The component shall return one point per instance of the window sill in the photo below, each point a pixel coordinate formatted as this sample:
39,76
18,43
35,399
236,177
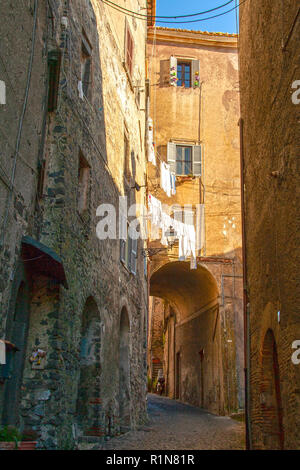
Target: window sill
187,177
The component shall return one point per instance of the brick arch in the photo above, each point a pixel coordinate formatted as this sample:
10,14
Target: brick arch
270,396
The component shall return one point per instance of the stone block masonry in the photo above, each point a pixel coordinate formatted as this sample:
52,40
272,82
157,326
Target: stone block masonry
75,394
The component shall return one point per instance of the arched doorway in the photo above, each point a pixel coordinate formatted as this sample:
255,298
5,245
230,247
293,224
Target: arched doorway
88,409
270,398
124,371
17,334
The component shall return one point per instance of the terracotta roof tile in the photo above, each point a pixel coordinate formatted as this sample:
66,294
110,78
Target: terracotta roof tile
207,33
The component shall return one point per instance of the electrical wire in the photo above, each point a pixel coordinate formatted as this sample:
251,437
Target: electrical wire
12,179
135,14
168,17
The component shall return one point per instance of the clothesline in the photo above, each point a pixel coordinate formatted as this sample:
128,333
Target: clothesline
184,232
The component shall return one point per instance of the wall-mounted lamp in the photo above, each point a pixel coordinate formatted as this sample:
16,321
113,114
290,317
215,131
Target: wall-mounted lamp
171,236
137,187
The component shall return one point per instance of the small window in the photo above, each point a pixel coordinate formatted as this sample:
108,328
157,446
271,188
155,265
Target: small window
184,159
184,74
128,248
86,65
83,184
129,50
54,60
184,163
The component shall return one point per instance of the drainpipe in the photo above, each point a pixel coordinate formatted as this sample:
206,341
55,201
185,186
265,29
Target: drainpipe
245,298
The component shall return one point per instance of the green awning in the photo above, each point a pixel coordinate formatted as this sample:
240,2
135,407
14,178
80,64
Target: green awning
43,260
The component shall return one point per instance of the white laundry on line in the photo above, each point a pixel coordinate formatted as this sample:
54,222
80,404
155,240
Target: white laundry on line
165,178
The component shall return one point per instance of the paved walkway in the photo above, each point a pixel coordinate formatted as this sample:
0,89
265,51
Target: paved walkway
175,426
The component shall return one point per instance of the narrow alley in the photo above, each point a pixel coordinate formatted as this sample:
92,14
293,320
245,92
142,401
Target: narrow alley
149,225
174,425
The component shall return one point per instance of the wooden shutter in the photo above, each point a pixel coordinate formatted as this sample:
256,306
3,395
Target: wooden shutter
129,51
172,157
133,261
197,160
189,217
173,71
195,74
123,236
86,76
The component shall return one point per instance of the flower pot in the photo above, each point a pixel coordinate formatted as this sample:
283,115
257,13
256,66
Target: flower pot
27,445
7,446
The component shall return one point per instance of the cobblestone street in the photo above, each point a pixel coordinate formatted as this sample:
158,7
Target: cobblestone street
173,425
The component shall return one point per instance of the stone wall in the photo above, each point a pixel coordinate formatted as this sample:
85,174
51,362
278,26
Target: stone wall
90,130
269,64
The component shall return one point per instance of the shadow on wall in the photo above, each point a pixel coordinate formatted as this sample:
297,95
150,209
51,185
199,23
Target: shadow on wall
88,408
124,371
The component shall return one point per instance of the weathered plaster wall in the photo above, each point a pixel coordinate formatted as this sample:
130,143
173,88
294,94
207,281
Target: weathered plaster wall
208,116
269,64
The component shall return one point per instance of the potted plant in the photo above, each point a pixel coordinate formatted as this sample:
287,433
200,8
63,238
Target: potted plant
12,439
28,441
9,437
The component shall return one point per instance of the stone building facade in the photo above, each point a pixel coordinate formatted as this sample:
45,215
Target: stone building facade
194,106
73,306
269,80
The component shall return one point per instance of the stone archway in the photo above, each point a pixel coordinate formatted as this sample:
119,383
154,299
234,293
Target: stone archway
191,324
124,370
88,407
270,397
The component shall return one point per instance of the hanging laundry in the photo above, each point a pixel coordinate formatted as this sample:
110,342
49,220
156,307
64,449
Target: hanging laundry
165,179
154,214
150,143
2,352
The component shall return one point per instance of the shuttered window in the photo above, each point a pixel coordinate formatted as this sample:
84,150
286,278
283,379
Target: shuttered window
133,255
184,159
128,246
184,162
184,73
123,237
129,50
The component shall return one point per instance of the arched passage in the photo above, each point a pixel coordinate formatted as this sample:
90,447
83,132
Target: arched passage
270,398
88,409
189,291
124,370
191,334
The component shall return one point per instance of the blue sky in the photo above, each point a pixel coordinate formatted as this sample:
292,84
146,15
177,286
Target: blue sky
226,23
